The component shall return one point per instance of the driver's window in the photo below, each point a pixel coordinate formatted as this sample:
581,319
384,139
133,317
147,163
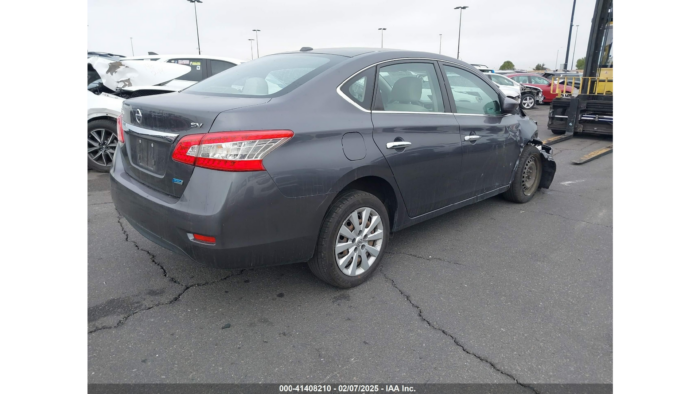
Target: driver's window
471,94
409,87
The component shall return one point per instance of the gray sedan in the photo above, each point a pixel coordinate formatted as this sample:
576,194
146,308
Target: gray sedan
318,155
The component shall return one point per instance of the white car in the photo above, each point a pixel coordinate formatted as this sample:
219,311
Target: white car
514,90
112,81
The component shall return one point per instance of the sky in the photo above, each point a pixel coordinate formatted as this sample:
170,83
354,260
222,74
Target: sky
525,32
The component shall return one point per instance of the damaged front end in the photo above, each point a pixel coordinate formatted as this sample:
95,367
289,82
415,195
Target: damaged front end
528,135
549,166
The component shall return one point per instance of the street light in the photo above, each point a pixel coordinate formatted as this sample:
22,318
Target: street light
257,43
459,37
199,48
382,30
251,48
440,50
556,67
573,55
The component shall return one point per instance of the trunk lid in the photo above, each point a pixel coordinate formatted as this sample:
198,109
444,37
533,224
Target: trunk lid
152,127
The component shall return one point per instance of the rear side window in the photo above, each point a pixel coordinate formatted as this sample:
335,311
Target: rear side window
520,78
265,77
196,73
218,66
359,89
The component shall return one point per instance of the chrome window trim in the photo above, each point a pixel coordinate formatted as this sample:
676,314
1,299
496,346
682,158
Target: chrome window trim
349,100
169,137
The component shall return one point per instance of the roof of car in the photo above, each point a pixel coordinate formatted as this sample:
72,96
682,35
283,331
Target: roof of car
185,56
376,53
347,52
530,74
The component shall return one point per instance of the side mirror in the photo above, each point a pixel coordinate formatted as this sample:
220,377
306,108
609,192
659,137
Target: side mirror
511,106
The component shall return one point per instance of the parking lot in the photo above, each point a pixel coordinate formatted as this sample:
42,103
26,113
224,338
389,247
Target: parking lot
492,293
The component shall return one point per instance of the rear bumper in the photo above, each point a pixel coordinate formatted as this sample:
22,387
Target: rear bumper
253,223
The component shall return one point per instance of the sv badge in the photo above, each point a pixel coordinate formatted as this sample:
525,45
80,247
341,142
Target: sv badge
193,125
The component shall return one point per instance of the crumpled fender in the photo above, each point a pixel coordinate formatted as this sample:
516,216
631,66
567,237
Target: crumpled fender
549,166
528,136
125,73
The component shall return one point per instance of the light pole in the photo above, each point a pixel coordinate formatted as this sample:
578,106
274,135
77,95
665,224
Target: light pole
573,55
251,48
459,37
199,48
382,30
257,43
555,63
568,42
440,50
132,45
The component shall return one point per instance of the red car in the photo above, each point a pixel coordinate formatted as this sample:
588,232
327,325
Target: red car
541,82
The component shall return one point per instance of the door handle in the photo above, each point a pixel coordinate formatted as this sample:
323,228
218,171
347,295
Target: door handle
397,144
471,137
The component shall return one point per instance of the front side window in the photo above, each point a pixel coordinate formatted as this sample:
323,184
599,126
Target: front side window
409,87
539,81
265,77
218,66
520,79
471,94
503,81
196,73
359,88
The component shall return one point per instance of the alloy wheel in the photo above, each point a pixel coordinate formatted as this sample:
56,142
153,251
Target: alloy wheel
528,102
102,145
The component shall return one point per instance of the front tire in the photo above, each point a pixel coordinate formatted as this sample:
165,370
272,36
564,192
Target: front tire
352,240
527,101
527,176
102,144
558,132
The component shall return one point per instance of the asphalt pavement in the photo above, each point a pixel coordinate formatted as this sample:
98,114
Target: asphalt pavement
492,293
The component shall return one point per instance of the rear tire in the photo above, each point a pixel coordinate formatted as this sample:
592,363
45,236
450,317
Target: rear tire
368,234
102,144
527,176
558,132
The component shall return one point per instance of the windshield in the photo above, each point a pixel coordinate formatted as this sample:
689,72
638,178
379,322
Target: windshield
265,77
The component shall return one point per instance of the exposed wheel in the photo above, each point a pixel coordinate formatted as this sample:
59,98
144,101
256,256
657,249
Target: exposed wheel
558,132
102,144
527,101
527,176
352,240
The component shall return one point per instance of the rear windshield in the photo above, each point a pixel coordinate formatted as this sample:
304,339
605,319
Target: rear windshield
265,77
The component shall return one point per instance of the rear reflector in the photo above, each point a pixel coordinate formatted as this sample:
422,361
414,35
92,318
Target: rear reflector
204,238
230,150
120,129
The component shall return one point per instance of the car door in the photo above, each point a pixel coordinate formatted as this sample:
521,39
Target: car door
545,85
417,133
489,138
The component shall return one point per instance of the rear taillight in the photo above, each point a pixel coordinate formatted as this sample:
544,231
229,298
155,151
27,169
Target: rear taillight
120,129
230,150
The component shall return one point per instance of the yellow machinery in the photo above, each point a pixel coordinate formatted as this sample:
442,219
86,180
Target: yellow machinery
589,109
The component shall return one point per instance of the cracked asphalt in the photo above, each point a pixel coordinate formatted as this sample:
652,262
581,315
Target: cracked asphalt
492,293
